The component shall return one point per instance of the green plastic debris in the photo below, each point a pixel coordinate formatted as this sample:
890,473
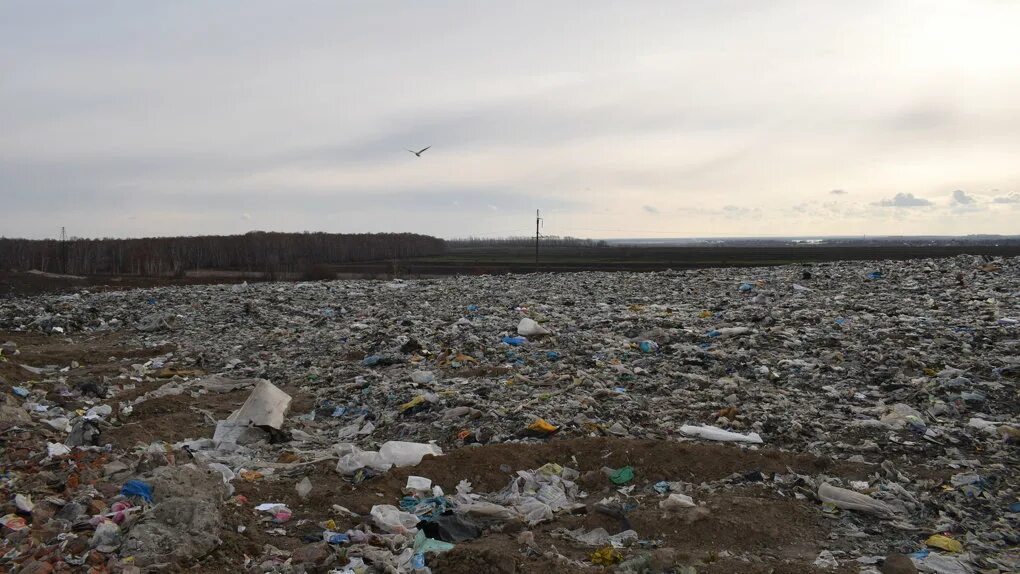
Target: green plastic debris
425,544
622,475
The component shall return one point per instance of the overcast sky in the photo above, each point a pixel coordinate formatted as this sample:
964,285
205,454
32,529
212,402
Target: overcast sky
617,119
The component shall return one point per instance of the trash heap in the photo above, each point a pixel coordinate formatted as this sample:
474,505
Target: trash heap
292,427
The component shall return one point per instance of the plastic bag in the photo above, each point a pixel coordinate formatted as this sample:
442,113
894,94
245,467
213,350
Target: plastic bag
399,453
533,510
677,501
850,500
391,519
530,328
353,459
714,433
303,488
106,538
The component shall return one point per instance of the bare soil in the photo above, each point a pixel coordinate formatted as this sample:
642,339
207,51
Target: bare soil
784,533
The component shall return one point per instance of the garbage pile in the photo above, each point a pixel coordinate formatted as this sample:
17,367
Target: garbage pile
569,422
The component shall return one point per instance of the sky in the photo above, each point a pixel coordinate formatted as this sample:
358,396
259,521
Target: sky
616,119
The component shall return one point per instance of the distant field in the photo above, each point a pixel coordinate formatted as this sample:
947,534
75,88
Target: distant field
565,259
476,261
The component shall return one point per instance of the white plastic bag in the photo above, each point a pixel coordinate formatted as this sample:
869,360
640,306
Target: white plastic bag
391,519
57,449
530,328
533,510
850,500
228,475
677,501
418,484
353,459
399,453
714,433
229,433
303,488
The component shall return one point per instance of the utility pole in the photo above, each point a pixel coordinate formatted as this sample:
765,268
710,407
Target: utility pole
63,249
538,221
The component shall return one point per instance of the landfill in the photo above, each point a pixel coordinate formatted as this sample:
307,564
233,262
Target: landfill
859,417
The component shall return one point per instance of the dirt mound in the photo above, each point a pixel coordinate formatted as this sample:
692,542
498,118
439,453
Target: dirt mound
745,519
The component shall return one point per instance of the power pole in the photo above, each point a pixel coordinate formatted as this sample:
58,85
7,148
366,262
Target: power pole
538,221
63,249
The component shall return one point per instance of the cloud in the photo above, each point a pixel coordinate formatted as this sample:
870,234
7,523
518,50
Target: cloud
736,212
246,216
963,202
960,197
838,192
904,200
651,209
1010,198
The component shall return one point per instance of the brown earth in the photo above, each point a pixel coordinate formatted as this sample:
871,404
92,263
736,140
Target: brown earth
175,418
784,533
93,353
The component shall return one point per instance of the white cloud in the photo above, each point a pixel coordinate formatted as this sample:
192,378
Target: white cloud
246,216
838,192
904,200
962,202
960,197
1009,198
737,212
651,209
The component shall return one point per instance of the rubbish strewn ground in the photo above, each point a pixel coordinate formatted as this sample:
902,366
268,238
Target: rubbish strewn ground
873,405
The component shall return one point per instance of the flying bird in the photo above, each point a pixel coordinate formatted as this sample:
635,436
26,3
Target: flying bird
418,153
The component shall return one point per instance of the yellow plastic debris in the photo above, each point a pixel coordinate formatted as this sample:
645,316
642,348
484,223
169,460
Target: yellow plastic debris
541,425
705,314
944,542
330,524
606,556
550,469
412,403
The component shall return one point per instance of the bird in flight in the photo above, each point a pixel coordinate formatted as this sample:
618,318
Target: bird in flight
418,153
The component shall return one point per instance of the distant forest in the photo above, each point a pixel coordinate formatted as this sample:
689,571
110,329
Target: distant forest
547,241
173,256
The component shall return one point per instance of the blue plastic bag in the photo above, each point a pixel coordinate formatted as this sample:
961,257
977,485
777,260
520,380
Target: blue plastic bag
137,488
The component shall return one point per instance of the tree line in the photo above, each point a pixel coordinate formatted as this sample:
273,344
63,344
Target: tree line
258,251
